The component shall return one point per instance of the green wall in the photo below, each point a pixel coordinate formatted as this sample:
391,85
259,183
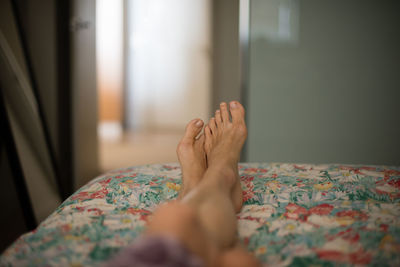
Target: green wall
329,90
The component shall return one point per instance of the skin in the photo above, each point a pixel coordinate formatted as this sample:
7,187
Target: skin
203,217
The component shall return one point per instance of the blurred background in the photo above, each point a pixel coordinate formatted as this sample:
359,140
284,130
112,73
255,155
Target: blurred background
89,86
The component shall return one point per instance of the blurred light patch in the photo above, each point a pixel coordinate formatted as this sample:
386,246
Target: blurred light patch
281,19
168,63
109,53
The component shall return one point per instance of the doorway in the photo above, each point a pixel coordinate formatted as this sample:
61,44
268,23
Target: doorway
154,75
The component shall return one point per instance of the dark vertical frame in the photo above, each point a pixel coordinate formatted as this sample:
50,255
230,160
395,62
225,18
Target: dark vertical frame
64,101
244,43
126,67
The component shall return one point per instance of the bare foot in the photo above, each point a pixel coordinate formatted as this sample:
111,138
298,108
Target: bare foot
191,156
223,143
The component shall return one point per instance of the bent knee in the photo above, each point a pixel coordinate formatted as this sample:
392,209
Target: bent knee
175,211
237,257
173,217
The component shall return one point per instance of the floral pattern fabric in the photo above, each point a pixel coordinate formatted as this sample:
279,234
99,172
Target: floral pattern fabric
293,215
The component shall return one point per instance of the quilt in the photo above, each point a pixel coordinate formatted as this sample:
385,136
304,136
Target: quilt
293,215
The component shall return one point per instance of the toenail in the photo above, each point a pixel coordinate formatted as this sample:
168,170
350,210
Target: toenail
217,111
233,104
222,104
199,123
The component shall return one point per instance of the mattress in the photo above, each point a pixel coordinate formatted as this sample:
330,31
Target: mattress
293,215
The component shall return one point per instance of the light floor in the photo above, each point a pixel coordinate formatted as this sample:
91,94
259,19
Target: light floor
138,148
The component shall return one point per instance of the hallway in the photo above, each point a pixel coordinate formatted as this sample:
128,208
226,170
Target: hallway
138,148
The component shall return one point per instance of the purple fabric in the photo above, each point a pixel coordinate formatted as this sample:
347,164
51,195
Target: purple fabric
154,251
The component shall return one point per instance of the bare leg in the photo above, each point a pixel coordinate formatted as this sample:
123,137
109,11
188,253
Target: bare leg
192,156
231,135
204,217
213,197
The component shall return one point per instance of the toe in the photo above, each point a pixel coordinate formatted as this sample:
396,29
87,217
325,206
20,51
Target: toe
200,138
207,138
193,128
224,112
218,119
237,112
200,142
207,132
213,125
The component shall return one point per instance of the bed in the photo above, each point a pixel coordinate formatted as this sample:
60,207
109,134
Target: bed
293,215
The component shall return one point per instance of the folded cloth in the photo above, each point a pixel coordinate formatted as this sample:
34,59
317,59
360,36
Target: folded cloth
154,251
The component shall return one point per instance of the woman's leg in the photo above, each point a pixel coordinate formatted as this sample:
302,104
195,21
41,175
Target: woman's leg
204,217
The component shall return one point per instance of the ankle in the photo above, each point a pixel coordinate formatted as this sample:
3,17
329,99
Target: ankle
226,174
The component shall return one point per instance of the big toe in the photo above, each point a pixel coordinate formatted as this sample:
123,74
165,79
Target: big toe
193,128
237,112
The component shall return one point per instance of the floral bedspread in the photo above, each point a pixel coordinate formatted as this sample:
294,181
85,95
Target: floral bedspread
294,215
